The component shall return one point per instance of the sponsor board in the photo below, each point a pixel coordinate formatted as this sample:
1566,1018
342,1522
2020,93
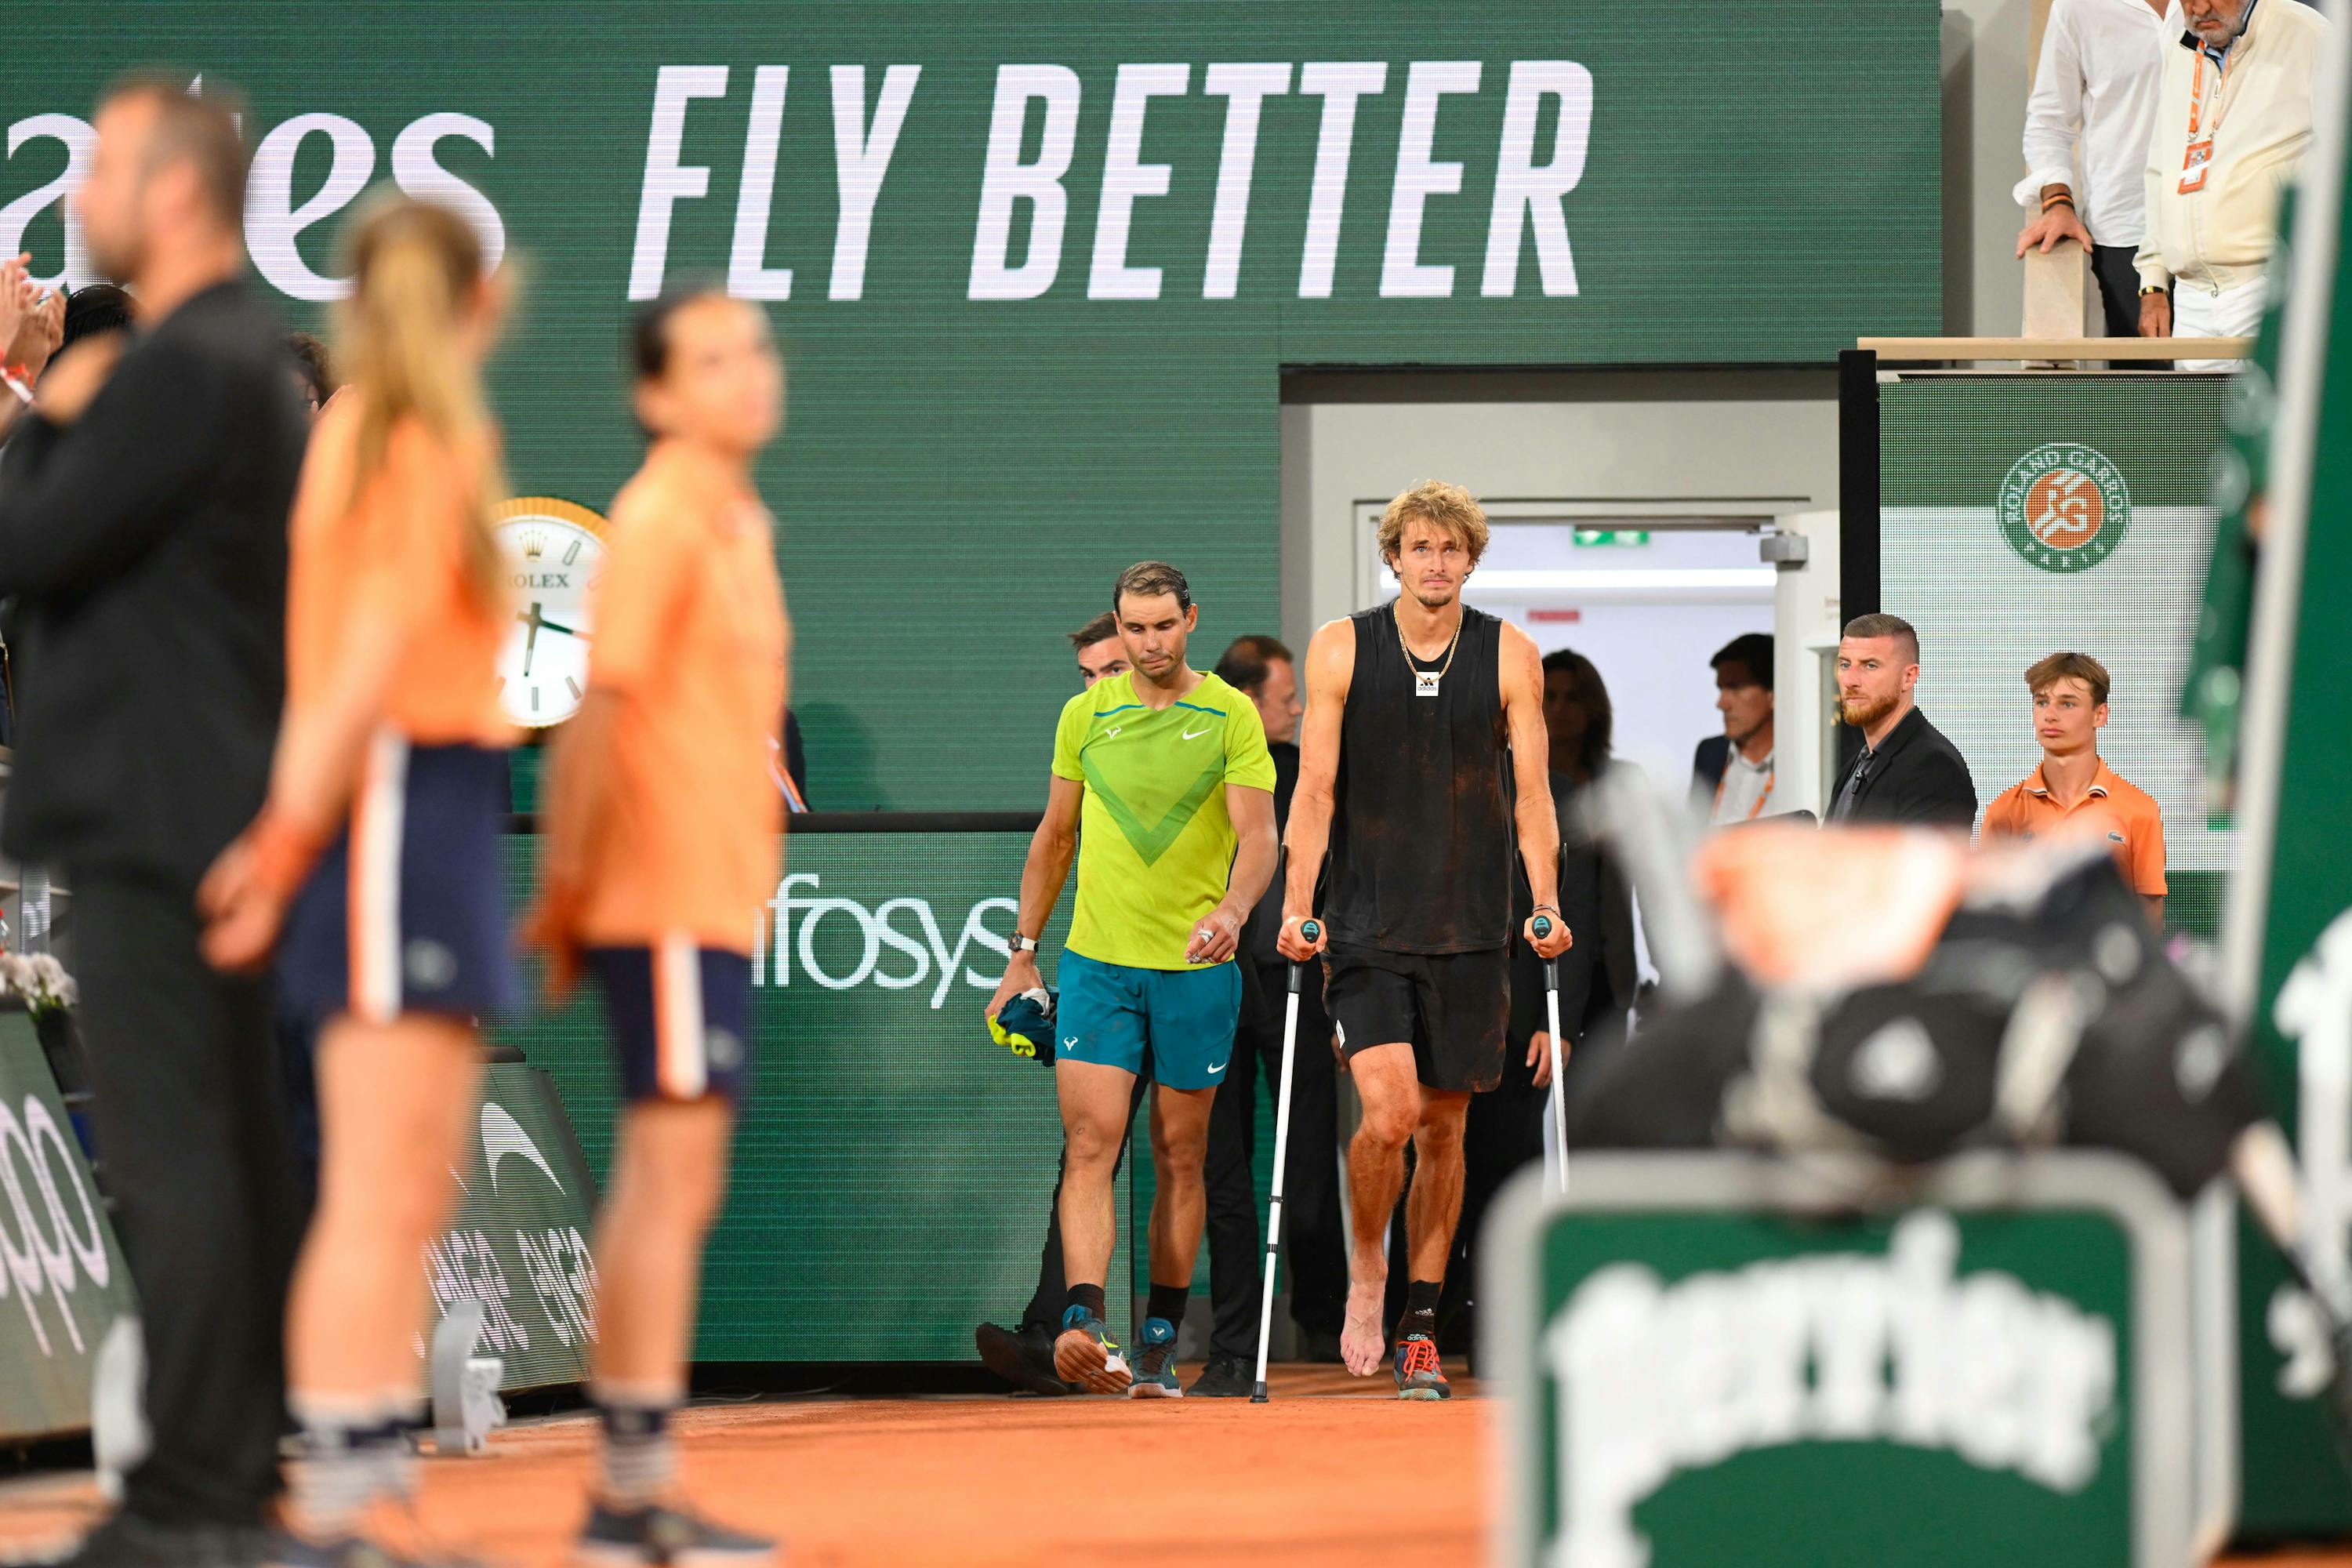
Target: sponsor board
63,1281
1038,273
1692,1344
519,1242
886,1149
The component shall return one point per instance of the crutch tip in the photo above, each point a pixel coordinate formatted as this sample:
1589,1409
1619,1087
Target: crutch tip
1258,1395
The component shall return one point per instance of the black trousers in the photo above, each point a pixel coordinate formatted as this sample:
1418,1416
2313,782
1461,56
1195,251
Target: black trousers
1053,1290
1314,1239
1504,1133
2119,278
188,1120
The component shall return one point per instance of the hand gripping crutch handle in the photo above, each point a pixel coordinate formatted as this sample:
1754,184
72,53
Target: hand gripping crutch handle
1551,1010
1310,930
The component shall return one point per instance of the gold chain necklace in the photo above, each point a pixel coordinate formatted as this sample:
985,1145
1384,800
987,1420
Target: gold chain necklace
1426,681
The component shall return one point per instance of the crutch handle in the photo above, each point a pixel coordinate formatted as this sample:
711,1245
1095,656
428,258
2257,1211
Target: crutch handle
1310,930
1552,965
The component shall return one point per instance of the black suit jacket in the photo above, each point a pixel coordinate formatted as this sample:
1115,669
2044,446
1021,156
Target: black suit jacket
1708,765
146,543
1917,777
1599,974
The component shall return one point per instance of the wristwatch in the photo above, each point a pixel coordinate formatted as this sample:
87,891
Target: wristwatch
1023,943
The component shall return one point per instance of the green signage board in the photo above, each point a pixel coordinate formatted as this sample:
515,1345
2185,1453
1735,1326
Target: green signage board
519,1241
1714,1358
63,1282
887,1151
1038,270
2272,684
2026,514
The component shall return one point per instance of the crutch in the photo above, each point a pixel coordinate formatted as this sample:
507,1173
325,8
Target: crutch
1310,931
1552,1008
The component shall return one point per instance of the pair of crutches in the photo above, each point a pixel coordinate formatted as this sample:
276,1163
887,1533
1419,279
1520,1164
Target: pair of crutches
1310,930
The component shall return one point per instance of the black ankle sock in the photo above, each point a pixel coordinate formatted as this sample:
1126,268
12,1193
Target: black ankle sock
1166,1302
1090,1296
1421,1295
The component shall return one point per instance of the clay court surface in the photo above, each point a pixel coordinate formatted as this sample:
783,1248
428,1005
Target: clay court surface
1333,1471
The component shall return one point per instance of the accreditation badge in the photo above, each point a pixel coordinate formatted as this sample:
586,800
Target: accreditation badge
2194,166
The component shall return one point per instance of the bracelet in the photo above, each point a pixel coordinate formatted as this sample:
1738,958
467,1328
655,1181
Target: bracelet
2049,202
1545,909
2147,288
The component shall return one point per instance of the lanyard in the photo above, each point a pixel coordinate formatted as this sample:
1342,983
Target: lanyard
2221,85
1754,811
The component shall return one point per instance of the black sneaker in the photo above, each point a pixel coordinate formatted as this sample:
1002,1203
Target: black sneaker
125,1540
1223,1378
288,1549
1024,1358
662,1536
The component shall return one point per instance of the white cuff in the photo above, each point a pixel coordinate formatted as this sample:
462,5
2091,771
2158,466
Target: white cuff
2028,193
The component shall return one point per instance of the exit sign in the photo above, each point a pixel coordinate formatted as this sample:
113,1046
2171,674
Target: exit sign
1613,536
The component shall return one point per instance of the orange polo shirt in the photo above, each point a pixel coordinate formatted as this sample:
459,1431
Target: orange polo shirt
2126,817
689,631
398,551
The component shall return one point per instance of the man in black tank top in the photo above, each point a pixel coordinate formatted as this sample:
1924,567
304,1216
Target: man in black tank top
1422,750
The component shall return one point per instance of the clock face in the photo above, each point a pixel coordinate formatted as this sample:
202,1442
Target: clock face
554,552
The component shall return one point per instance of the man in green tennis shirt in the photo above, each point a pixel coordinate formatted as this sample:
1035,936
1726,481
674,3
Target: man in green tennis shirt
1168,771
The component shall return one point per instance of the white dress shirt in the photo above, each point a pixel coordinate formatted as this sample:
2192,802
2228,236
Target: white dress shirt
2095,92
1745,791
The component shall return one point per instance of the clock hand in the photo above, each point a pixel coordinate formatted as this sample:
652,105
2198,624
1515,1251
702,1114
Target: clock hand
532,641
567,631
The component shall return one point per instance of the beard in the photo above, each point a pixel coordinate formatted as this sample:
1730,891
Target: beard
115,263
1442,596
1861,713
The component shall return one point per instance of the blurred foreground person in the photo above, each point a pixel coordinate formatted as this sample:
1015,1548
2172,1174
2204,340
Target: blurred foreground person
1883,994
662,825
142,526
377,851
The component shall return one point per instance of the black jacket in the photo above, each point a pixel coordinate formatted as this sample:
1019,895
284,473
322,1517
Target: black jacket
146,543
1918,776
1707,763
1265,972
1599,974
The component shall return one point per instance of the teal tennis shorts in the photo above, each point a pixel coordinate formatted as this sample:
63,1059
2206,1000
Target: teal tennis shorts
1112,1015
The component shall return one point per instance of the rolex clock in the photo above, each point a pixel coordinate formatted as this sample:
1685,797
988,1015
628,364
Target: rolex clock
553,551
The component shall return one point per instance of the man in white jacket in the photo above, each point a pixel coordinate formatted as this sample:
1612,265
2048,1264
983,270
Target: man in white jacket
2233,118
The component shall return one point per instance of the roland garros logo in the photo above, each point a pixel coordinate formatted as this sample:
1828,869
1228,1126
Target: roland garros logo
2064,507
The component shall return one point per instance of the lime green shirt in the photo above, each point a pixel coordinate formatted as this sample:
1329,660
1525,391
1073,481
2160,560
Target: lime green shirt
1155,841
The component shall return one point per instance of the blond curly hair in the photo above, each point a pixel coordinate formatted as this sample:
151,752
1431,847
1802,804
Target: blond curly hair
1433,502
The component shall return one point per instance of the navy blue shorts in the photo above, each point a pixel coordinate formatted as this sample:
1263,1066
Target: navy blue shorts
681,1018
403,913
